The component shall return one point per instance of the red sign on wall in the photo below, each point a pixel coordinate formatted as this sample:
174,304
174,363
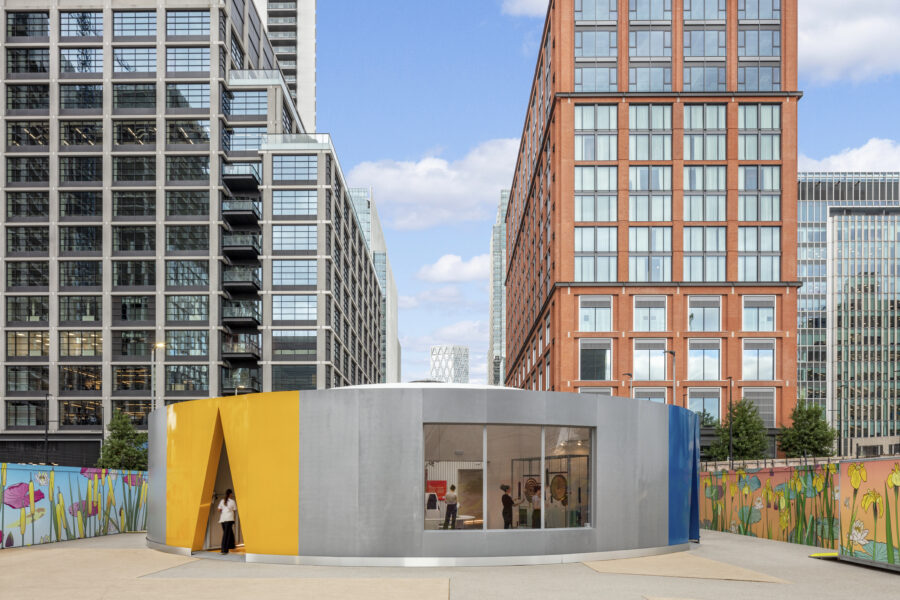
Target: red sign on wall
436,487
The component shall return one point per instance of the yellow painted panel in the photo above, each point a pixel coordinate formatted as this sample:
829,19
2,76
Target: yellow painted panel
192,440
262,436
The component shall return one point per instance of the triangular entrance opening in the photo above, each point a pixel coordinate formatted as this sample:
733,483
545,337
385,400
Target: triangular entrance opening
223,482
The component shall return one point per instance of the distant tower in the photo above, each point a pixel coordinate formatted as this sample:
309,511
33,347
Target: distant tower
497,343
450,364
292,30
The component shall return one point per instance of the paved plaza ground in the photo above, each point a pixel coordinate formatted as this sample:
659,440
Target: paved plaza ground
721,567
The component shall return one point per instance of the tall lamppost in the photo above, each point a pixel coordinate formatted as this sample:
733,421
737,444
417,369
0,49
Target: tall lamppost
730,424
157,346
630,384
47,397
674,378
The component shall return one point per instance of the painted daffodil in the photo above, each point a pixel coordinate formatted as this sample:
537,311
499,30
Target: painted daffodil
819,482
871,498
893,480
857,473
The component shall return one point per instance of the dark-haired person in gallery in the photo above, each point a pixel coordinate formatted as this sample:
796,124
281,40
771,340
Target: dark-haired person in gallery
508,504
227,508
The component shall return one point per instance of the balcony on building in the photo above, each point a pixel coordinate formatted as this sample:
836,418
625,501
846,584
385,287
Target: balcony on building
241,177
240,279
241,380
241,210
240,348
241,246
241,314
280,7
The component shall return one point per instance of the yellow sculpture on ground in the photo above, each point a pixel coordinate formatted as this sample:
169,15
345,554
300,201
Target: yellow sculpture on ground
265,470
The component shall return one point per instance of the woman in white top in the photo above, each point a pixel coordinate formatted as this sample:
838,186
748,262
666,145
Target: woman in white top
227,507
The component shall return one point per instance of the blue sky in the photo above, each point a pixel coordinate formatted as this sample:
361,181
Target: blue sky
425,101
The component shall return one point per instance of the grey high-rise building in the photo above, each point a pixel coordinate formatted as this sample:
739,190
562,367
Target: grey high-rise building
367,212
292,30
849,305
172,231
497,342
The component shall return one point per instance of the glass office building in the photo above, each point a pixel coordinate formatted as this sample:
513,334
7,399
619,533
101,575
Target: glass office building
849,312
497,342
172,230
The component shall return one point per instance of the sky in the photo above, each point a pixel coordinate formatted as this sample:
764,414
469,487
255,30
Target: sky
425,102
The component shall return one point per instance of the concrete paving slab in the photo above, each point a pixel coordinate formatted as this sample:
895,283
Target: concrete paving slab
682,564
122,567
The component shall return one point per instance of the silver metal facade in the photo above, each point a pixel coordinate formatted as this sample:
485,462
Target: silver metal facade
849,313
155,145
496,367
361,479
450,364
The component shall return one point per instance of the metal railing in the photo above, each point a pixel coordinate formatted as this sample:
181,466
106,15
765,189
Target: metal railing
241,275
241,310
238,169
240,347
240,240
235,205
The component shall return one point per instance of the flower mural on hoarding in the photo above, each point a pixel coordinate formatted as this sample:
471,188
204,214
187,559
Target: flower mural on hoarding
41,505
853,507
872,508
788,504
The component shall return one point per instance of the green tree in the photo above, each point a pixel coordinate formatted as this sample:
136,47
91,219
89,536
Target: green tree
125,448
750,440
809,435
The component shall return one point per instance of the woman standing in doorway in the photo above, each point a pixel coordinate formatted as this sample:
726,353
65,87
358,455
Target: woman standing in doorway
227,507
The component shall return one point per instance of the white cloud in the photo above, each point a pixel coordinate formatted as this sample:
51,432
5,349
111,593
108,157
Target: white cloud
449,294
434,191
875,155
525,8
849,39
452,268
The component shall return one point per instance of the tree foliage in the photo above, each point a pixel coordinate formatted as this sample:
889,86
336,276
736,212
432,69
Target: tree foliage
809,434
707,420
750,440
125,448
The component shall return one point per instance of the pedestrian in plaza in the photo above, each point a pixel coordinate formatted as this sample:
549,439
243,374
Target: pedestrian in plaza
452,501
227,508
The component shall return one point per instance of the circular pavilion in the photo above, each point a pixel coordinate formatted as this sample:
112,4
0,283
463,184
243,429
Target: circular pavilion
368,475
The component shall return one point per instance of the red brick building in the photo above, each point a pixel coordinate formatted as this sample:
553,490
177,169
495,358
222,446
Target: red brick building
652,216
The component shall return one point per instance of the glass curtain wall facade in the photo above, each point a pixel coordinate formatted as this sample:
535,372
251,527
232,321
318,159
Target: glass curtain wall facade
497,342
849,310
366,211
656,180
161,246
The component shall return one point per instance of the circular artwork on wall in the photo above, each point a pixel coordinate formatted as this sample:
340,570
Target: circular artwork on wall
559,488
531,486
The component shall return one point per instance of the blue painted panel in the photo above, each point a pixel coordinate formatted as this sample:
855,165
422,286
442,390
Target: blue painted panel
684,464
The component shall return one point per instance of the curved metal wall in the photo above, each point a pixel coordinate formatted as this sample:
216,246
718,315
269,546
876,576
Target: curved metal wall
338,473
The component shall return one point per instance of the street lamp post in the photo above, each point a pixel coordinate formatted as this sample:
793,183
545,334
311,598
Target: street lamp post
155,385
630,384
730,424
47,430
674,378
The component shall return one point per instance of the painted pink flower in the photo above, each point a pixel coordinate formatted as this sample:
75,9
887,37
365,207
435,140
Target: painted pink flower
9,541
16,496
133,480
90,472
82,506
